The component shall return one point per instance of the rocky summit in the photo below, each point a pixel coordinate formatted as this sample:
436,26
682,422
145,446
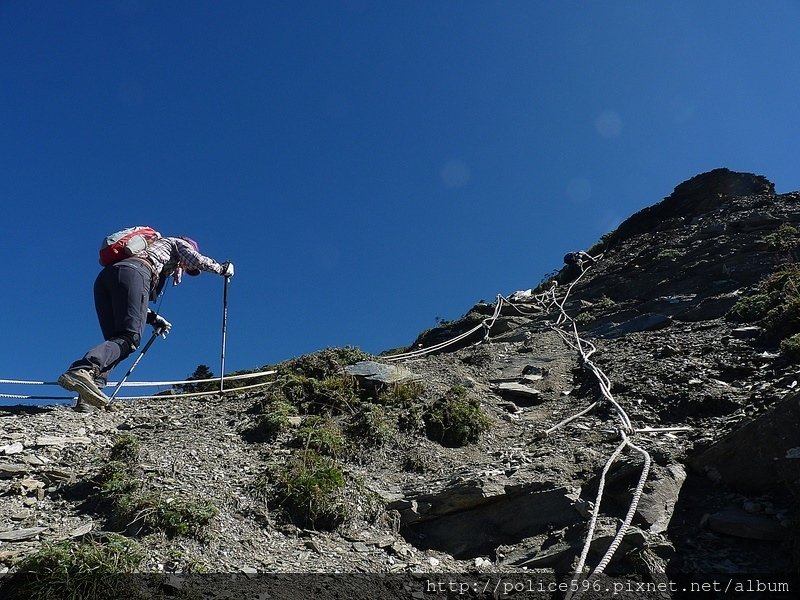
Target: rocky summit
627,427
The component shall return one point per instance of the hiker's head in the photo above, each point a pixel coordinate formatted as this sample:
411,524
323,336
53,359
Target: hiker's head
193,244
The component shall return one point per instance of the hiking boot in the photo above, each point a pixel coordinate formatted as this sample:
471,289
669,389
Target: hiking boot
82,381
83,407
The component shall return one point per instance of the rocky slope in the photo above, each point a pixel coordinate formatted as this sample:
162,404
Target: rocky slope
496,493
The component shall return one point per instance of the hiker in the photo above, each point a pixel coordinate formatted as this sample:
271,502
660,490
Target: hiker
576,264
121,293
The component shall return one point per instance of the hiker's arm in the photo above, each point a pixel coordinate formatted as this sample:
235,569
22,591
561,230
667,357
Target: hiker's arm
191,259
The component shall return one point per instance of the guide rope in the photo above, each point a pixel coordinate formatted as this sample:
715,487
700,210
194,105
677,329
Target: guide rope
145,384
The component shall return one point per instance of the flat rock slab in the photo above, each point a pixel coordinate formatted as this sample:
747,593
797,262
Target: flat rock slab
7,471
14,448
489,521
517,390
379,373
643,322
20,535
51,440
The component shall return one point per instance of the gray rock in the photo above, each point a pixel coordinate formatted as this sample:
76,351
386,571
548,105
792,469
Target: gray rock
517,390
659,498
753,457
476,524
745,525
745,333
380,373
20,535
8,471
643,322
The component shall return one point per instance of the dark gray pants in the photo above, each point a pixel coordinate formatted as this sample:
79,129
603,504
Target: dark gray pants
121,293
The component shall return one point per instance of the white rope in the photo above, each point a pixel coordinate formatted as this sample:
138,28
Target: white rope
612,548
194,394
147,383
586,349
486,324
158,396
570,419
593,520
18,397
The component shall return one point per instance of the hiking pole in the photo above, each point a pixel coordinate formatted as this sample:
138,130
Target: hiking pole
224,333
133,366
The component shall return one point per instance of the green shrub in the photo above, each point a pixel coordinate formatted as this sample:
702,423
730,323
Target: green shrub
123,488
275,419
750,308
668,254
791,347
120,475
338,394
775,304
116,477
125,449
369,428
455,420
412,420
174,516
401,392
91,568
310,491
323,364
785,238
321,434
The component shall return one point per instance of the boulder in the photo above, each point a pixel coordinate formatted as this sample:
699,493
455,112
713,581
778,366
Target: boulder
760,455
376,373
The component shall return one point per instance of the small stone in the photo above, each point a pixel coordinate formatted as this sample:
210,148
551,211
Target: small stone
14,448
744,333
752,507
82,530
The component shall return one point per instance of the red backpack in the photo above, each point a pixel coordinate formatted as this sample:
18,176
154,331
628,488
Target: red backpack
125,243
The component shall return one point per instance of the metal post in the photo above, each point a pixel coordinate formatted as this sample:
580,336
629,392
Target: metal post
224,333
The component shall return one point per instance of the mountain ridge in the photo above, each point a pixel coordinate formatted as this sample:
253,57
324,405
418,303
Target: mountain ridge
456,463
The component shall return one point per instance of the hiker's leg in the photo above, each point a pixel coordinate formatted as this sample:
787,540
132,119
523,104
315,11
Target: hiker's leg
121,302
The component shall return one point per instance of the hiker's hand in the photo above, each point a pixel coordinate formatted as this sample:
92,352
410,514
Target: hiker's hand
161,326
227,269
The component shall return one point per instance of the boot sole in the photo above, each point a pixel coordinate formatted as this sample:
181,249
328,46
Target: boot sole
85,392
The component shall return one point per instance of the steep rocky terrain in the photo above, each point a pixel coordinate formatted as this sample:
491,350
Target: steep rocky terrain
455,466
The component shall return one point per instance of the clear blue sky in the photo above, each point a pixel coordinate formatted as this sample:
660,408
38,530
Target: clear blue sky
367,166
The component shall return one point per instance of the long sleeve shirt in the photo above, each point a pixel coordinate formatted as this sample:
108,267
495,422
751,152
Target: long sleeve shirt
169,255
